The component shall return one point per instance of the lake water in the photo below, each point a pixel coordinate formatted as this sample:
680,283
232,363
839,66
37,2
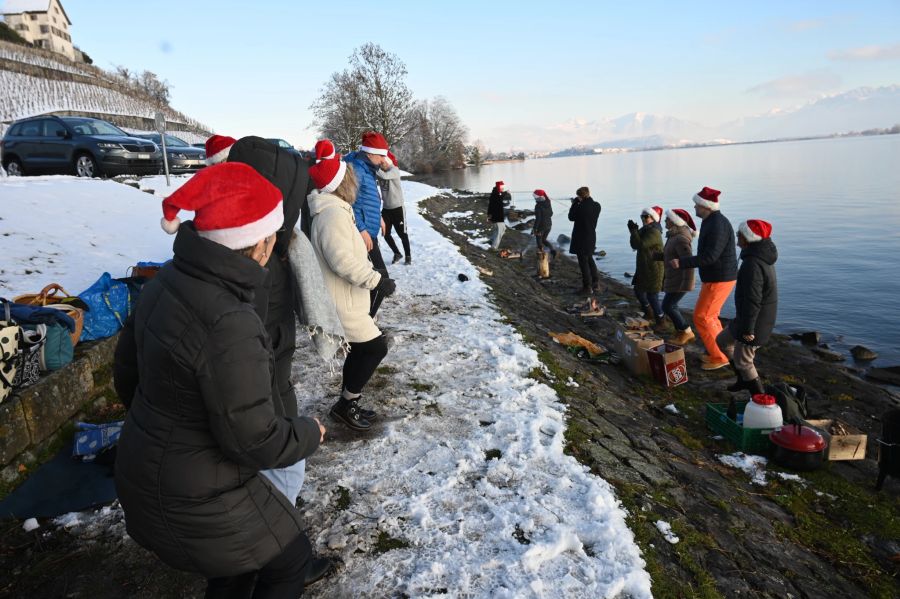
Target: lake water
834,205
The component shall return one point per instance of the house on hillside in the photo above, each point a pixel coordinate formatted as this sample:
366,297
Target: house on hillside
43,23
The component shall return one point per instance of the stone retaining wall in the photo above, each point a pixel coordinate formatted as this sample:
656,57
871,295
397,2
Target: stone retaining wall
37,413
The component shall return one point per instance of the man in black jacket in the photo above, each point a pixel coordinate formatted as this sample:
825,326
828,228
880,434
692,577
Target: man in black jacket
717,262
496,215
584,213
755,304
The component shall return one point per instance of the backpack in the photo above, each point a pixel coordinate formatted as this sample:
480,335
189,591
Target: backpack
791,400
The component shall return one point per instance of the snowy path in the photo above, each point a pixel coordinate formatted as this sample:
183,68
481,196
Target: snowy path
457,387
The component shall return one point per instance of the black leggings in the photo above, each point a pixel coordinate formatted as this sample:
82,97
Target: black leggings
378,264
362,361
393,218
281,578
541,239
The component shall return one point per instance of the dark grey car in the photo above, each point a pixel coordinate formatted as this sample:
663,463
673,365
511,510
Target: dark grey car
183,157
81,146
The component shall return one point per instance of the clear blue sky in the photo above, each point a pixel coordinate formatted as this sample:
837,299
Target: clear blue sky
255,67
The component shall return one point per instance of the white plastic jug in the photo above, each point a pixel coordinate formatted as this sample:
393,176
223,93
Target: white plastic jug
762,412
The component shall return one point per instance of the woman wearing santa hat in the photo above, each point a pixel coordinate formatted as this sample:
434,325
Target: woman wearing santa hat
680,234
496,215
646,240
755,304
352,281
195,368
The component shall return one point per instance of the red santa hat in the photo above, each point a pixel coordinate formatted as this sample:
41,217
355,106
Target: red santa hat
755,230
654,212
324,150
501,186
232,203
328,174
681,218
374,143
393,159
708,198
217,148
539,193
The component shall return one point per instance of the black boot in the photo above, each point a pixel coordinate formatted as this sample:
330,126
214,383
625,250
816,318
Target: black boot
316,570
347,411
740,384
755,387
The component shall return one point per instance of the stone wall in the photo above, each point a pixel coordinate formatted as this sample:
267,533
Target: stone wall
34,415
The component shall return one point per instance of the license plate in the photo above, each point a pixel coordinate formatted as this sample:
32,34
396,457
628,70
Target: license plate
143,156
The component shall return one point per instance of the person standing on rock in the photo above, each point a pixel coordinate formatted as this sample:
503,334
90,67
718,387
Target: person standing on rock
543,221
393,212
584,214
367,205
349,277
755,304
195,368
680,233
496,214
716,260
646,240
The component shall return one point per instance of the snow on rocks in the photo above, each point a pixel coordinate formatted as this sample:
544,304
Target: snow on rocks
466,489
753,465
672,409
66,230
666,530
31,524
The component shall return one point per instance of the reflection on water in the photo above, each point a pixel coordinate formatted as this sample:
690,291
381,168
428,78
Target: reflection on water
834,205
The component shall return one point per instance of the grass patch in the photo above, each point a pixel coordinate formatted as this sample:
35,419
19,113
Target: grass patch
685,437
385,369
492,454
385,542
342,501
422,387
433,409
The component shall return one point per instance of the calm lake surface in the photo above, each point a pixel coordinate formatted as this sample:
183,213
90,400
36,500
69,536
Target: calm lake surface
834,205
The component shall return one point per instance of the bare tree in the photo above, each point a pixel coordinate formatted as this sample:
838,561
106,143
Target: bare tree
437,140
371,94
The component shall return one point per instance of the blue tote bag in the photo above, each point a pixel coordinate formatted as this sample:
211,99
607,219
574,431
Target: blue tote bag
110,304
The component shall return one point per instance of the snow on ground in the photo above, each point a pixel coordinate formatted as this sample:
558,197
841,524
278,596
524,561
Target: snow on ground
66,230
753,465
528,521
666,530
464,492
160,189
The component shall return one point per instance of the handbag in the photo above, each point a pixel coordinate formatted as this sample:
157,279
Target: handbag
28,369
10,338
145,270
109,304
54,296
56,348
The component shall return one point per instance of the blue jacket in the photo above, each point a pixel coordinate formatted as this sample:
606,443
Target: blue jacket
367,208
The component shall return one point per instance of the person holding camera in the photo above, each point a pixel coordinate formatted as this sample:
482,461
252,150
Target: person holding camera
646,240
350,277
583,214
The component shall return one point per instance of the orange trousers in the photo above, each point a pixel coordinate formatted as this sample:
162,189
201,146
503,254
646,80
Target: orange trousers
706,316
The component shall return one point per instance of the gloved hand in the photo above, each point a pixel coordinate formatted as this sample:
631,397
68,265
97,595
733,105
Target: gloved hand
386,286
633,226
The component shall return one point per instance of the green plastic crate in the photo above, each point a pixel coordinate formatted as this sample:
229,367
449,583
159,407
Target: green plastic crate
748,440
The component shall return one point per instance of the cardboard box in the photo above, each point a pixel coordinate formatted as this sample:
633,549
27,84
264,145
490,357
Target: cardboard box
632,347
667,365
634,323
851,446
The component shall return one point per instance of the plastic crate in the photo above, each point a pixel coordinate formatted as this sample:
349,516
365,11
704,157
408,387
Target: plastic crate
748,440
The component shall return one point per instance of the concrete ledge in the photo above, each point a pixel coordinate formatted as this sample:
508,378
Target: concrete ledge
36,413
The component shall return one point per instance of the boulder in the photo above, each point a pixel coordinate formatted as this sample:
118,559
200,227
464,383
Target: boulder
862,353
828,355
807,338
562,239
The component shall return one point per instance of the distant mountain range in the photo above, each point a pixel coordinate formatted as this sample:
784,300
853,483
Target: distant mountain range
856,110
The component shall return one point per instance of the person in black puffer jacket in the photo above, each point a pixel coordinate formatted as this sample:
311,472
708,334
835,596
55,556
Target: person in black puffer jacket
195,368
496,214
543,221
755,304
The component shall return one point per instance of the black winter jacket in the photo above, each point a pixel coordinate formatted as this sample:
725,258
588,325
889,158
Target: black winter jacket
756,293
495,205
290,174
543,216
584,215
203,421
716,257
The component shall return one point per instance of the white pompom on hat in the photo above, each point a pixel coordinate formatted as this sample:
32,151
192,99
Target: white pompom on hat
233,205
755,230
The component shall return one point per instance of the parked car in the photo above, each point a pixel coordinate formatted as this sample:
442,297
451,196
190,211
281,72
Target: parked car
286,146
183,157
81,146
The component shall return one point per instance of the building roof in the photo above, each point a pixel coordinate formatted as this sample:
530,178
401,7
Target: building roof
15,7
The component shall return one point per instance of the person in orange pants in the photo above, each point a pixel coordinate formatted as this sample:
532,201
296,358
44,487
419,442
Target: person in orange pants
716,261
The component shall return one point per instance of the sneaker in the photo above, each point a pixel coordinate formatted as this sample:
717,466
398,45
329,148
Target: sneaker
708,365
397,258
408,260
348,412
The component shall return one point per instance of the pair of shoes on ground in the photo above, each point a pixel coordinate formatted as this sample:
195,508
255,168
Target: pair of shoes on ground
755,386
355,417
398,257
